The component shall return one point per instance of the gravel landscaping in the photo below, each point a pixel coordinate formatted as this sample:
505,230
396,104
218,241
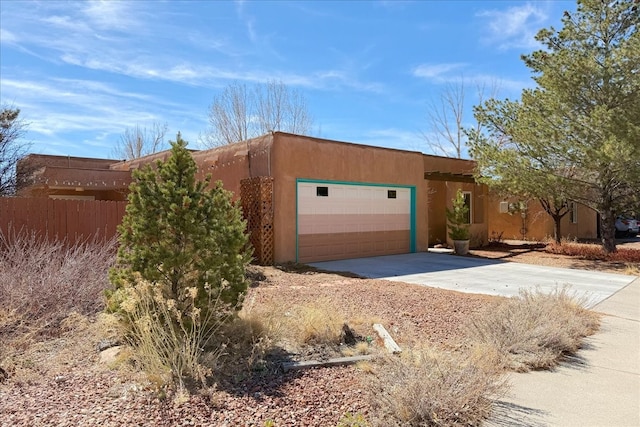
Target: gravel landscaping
61,381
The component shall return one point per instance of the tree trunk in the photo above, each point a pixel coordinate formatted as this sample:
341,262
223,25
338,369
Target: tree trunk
557,235
608,228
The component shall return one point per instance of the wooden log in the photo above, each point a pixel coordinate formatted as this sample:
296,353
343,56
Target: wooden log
337,361
389,343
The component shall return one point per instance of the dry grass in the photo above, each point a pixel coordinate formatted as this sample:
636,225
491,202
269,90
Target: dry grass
250,337
316,323
433,388
534,330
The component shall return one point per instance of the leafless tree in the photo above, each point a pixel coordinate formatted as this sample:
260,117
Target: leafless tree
229,116
12,148
446,117
239,113
139,141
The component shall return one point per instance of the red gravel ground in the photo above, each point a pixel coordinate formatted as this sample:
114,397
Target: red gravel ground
60,382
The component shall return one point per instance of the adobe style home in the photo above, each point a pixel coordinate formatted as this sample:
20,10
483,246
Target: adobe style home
305,199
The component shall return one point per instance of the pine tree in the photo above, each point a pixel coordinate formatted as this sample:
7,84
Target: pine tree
178,234
576,136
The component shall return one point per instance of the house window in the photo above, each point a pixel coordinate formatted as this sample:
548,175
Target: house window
467,203
322,191
504,207
573,212
391,194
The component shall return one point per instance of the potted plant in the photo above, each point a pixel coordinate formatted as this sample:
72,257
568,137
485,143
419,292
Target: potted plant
458,226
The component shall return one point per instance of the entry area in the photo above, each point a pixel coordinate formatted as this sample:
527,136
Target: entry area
341,220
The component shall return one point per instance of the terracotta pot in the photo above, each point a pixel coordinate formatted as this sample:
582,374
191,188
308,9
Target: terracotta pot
461,247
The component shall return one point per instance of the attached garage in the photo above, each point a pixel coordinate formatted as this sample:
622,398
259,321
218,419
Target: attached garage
339,220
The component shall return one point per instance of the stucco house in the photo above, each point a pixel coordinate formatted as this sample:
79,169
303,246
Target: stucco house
305,198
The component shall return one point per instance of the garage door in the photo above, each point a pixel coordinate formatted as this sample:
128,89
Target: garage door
338,220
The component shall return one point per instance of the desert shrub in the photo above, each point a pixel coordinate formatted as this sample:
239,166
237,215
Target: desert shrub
534,330
181,262
432,388
43,282
169,342
593,252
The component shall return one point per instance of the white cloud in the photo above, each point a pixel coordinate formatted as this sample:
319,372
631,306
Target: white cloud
60,111
435,71
7,36
515,27
112,15
400,139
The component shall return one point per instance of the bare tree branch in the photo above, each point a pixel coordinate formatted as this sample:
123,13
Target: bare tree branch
239,113
140,141
445,116
12,149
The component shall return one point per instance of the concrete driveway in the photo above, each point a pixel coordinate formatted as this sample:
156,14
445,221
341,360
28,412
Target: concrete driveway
601,387
481,276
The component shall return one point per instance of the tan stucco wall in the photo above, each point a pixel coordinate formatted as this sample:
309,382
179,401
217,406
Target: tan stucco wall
235,162
437,201
538,224
313,158
585,228
67,161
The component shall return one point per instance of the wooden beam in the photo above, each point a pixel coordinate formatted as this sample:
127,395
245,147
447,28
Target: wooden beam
389,343
337,361
451,177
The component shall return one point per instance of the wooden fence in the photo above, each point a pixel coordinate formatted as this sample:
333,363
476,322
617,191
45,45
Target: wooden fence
73,221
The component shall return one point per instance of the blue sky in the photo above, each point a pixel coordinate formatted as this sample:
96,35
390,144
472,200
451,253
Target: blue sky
83,71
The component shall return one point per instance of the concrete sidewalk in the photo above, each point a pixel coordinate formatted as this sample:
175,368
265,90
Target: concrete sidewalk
601,387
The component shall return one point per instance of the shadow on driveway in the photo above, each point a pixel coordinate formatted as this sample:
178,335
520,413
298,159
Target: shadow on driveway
404,264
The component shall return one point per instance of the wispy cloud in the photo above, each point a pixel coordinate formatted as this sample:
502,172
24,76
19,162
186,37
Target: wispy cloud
462,73
394,138
55,108
515,27
436,71
111,15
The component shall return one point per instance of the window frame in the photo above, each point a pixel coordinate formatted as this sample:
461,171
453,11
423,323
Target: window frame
322,191
573,212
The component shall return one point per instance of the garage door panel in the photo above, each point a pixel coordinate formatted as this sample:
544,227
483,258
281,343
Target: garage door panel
315,247
346,220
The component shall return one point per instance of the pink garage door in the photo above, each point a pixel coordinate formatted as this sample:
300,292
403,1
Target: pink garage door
351,220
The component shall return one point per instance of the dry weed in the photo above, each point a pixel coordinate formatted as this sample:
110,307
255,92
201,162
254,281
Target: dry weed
251,336
432,388
317,323
43,282
533,331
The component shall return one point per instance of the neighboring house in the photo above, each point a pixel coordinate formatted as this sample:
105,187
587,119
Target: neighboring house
78,178
309,199
513,219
